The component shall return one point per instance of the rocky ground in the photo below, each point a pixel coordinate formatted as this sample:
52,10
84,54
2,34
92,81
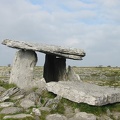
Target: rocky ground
39,104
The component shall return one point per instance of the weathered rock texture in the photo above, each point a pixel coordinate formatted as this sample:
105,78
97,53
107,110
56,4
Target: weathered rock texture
22,69
25,60
18,116
72,76
83,116
70,53
82,92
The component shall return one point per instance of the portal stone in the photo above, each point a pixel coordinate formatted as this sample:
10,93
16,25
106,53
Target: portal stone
54,68
22,69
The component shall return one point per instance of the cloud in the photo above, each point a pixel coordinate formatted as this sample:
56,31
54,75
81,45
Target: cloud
89,25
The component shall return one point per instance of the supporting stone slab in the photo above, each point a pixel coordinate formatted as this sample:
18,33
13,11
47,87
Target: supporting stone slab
22,69
54,68
82,92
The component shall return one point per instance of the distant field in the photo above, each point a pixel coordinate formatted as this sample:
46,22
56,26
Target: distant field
98,75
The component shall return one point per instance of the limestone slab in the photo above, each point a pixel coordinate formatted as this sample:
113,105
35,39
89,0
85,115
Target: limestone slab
17,116
6,104
22,69
71,53
11,110
82,92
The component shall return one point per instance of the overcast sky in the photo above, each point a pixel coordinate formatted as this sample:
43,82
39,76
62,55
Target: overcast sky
91,25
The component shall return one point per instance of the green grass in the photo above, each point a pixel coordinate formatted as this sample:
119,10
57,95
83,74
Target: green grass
6,85
96,110
43,115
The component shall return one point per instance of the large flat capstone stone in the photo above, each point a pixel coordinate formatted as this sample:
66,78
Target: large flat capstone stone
82,92
70,53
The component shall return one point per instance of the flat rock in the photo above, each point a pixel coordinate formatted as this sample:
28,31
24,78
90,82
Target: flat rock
36,111
8,93
26,103
6,104
82,92
11,110
70,53
83,116
18,116
56,117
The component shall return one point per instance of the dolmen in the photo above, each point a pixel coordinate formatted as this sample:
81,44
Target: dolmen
26,58
55,73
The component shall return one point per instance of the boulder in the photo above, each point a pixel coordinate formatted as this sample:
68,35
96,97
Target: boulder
34,97
82,92
6,95
116,115
105,117
6,104
83,116
11,110
36,111
72,76
22,69
46,109
26,103
56,117
17,116
56,100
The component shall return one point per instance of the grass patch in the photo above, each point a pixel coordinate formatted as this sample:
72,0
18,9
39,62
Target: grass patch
96,110
6,85
47,94
43,115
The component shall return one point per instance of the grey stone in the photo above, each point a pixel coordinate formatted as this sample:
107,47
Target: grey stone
17,97
26,103
47,109
40,91
82,92
104,117
108,112
11,110
116,115
70,53
20,92
22,69
38,84
56,117
69,111
36,111
33,97
72,76
83,116
6,95
56,100
6,104
17,116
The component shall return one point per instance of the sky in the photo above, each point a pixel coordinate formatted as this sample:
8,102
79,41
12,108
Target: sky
91,25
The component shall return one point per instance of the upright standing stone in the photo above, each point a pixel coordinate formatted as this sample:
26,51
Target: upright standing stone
22,69
54,68
72,76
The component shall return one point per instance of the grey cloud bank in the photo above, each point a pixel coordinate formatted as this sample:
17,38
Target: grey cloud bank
93,26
